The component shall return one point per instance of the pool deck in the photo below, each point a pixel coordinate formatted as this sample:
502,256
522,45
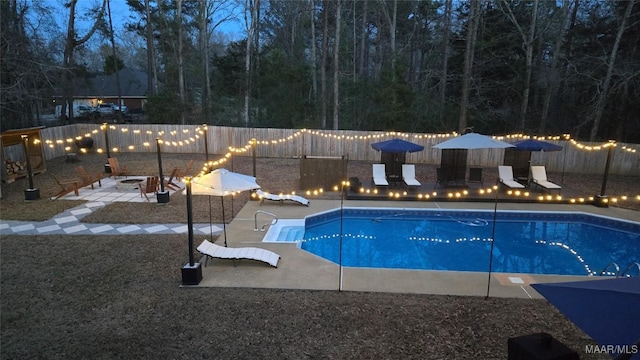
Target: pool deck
298,269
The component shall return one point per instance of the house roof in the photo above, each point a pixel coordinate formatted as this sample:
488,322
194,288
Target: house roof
133,83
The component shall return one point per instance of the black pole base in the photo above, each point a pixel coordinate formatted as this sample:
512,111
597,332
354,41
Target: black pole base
191,275
163,197
107,168
32,194
601,201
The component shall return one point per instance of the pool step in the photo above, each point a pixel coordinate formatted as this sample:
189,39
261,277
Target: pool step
291,233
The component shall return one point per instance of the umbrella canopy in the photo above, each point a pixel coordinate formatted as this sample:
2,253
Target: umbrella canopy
472,141
221,182
535,145
606,310
397,146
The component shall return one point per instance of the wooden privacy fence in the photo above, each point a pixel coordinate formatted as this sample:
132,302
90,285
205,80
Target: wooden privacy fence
288,143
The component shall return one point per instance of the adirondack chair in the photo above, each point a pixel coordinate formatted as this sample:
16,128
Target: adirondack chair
66,186
182,173
169,183
116,169
88,179
150,186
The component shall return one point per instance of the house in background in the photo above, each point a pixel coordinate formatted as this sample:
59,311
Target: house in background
99,89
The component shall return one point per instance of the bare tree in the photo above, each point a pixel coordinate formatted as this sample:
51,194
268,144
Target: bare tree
472,32
604,93
448,5
323,65
71,44
527,41
251,26
336,67
553,79
152,73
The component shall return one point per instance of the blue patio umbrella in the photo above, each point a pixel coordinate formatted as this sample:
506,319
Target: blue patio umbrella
606,310
535,145
397,146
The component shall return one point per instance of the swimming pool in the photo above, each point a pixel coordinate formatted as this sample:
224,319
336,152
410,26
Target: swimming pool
525,242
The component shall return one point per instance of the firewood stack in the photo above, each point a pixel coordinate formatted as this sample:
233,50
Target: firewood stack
15,167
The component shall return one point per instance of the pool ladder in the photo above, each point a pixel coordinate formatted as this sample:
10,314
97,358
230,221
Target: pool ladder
255,220
617,268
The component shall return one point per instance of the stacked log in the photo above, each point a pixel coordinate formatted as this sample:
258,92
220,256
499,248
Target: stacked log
15,167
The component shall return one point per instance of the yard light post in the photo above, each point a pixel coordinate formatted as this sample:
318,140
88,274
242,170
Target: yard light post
343,184
206,146
493,237
602,200
191,271
107,167
31,193
162,196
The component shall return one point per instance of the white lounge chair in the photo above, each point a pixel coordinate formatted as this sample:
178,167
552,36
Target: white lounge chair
539,177
505,175
212,250
281,198
379,175
409,175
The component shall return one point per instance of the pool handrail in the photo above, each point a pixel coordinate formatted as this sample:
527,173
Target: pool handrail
613,263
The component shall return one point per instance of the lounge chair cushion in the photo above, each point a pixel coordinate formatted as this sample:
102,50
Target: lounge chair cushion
409,175
539,177
273,197
379,175
252,253
505,174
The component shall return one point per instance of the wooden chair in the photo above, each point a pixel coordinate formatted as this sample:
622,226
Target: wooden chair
169,183
88,179
66,186
182,173
116,169
150,186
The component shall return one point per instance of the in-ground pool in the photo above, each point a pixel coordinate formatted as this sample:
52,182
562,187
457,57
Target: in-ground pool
525,242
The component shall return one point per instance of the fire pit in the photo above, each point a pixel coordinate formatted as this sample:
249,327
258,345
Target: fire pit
129,184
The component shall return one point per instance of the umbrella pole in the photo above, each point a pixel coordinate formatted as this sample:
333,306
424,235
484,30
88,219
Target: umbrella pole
224,223
493,240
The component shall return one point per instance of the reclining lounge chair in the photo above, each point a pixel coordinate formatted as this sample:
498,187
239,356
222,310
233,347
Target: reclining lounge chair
379,175
539,177
212,250
281,198
409,175
505,176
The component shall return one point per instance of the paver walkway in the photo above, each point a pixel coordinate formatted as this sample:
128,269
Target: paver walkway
68,222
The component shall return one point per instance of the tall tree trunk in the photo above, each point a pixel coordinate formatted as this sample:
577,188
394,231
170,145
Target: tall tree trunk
336,67
364,40
68,62
152,74
115,61
470,44
204,58
181,87
527,40
604,93
314,56
448,6
323,66
553,76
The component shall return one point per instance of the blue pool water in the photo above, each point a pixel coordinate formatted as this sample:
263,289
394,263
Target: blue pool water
538,243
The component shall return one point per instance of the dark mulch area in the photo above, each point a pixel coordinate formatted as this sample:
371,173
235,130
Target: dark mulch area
104,297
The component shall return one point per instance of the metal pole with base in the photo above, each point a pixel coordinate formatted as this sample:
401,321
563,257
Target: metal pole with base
162,196
191,271
493,238
31,193
602,200
107,167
